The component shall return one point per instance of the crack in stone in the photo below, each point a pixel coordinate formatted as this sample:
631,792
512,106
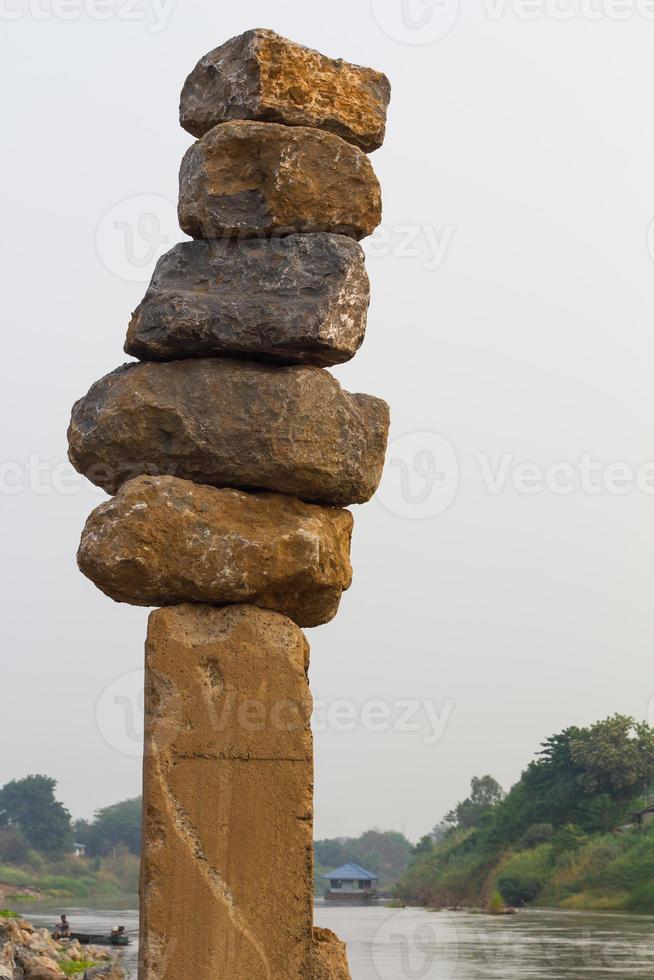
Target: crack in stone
189,835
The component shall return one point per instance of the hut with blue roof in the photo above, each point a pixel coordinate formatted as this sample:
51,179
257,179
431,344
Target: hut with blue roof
350,884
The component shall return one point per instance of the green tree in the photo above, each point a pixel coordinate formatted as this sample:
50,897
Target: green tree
615,758
112,827
30,806
425,845
485,793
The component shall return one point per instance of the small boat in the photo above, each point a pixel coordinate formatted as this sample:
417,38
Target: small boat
99,939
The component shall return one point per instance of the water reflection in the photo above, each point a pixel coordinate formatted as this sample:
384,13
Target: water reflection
413,944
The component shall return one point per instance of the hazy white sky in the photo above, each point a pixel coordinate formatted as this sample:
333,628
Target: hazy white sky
512,323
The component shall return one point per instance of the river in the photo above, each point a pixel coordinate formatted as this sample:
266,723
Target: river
413,944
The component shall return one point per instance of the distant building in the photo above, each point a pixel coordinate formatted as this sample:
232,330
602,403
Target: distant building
643,818
79,850
349,884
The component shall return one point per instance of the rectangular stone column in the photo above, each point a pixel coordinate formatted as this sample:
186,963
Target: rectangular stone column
227,875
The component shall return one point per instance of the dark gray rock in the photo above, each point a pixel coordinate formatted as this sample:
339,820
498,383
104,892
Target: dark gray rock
260,75
296,300
230,423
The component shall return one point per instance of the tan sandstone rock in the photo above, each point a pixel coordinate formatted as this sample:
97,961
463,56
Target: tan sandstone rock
227,880
302,299
41,968
329,956
162,541
232,424
254,179
260,75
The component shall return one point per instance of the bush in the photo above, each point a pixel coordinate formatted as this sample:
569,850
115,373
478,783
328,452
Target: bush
14,849
519,889
642,899
567,840
73,967
523,875
496,904
538,833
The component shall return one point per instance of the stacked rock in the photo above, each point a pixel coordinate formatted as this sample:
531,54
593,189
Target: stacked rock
230,453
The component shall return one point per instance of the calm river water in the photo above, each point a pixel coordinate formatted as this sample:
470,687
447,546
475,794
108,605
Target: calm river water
413,944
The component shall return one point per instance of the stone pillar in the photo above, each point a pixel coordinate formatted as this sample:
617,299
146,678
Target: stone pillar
227,875
230,453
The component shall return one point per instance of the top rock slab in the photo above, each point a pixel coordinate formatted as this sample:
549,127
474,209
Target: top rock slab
264,77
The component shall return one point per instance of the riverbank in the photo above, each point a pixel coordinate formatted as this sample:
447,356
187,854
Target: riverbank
385,944
71,878
26,951
602,872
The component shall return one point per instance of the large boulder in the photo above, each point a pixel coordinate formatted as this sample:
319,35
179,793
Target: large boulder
163,541
247,179
232,423
41,968
329,956
260,75
302,299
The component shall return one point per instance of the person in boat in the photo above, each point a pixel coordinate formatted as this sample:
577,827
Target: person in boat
118,931
62,928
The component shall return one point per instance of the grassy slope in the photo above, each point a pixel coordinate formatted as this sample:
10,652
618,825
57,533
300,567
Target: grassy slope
609,872
72,878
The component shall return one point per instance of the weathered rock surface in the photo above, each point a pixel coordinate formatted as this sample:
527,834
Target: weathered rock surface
27,953
248,179
260,75
162,541
227,797
302,299
232,423
329,956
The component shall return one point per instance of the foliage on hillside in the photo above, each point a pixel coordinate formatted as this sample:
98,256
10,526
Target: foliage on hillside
552,840
112,827
36,840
